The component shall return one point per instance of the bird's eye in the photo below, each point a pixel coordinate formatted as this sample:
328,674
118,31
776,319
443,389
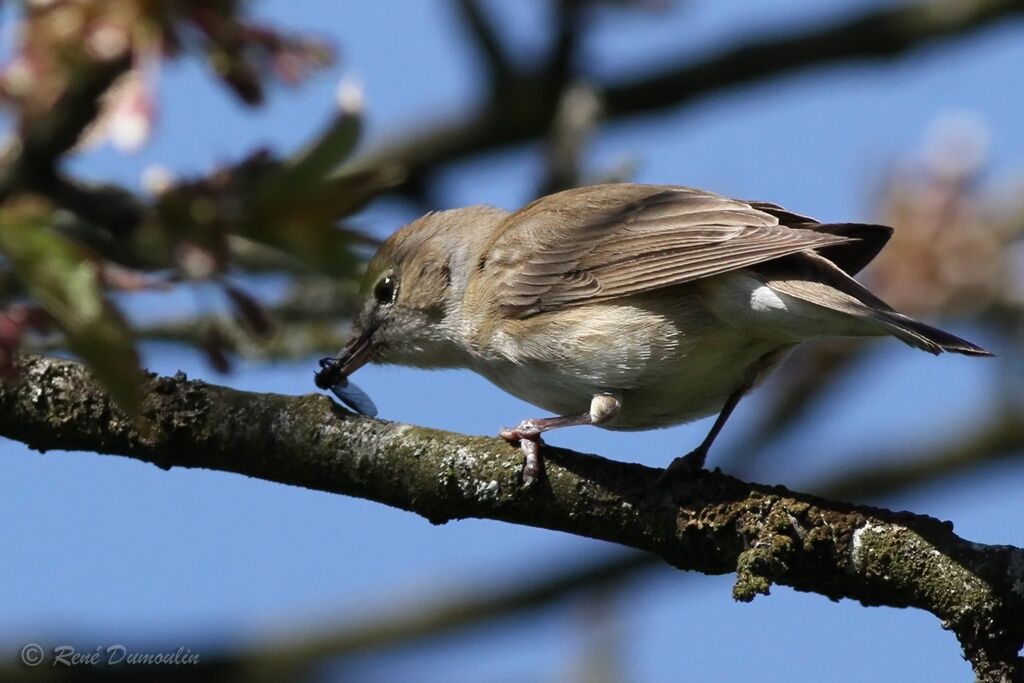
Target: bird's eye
384,291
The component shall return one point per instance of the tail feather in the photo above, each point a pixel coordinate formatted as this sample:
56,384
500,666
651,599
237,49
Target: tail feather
926,337
852,256
812,278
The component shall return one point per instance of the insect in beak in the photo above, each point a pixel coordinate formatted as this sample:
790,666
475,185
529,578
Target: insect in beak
334,372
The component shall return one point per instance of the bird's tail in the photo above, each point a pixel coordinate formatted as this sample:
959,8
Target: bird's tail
816,280
926,337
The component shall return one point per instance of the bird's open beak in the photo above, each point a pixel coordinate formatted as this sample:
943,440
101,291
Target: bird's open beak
354,356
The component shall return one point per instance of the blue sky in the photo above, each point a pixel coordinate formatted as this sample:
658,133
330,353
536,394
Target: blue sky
110,549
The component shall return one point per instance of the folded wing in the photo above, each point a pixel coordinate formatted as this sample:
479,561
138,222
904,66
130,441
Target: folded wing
624,239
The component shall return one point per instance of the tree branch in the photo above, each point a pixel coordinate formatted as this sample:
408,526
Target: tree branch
485,38
710,523
33,163
879,35
304,322
301,648
1001,438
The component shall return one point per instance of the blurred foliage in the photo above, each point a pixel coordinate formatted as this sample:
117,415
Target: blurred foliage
62,38
953,252
66,280
84,71
82,74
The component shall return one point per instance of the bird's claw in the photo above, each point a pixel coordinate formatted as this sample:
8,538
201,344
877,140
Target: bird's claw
533,464
527,429
684,465
527,435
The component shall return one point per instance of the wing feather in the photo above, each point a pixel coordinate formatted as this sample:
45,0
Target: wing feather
624,239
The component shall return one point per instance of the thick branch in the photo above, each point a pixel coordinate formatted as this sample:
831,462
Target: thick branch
299,647
1001,438
711,523
879,35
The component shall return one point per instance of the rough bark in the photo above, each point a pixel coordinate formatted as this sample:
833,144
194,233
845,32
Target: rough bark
711,523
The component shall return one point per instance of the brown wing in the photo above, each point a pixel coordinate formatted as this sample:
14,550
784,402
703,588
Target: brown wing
604,242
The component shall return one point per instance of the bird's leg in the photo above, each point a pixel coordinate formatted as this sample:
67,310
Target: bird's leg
694,460
603,407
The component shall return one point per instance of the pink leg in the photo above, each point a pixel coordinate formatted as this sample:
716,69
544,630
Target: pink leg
603,407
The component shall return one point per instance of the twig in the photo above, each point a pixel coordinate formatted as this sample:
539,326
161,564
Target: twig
578,111
884,34
488,43
1002,437
443,615
308,324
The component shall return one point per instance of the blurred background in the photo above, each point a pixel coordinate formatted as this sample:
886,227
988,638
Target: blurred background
904,113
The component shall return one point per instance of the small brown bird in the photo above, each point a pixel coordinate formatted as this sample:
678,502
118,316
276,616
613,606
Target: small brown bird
624,306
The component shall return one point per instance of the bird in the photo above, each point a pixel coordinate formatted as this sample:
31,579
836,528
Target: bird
624,306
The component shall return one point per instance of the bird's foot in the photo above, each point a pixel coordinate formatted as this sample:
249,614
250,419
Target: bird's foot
683,466
527,429
527,435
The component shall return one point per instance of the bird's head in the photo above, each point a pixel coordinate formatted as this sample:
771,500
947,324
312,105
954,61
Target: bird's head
411,294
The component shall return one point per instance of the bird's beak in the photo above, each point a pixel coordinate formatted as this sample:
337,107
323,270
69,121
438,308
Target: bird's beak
354,356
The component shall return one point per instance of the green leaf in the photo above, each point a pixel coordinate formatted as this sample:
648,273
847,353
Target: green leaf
320,245
315,162
65,279
290,211
321,157
308,229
